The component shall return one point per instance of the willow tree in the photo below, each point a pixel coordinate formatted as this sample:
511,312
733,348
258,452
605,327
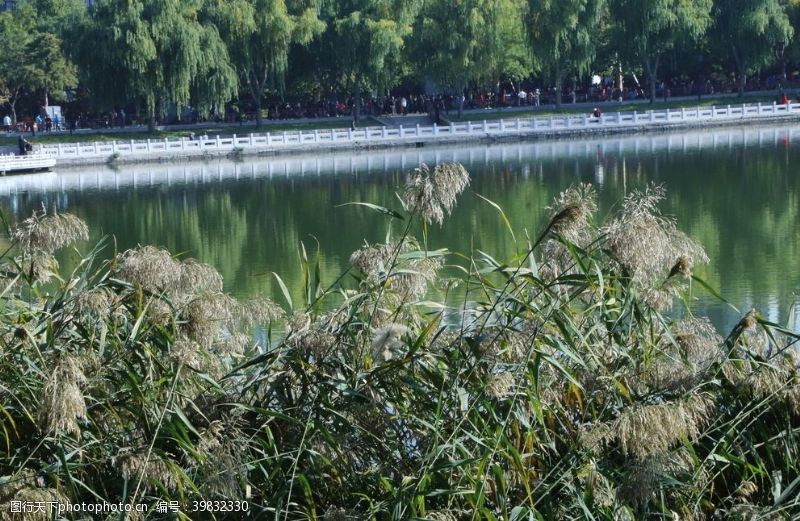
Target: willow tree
14,74
156,51
645,30
474,42
749,31
363,44
259,35
563,35
32,59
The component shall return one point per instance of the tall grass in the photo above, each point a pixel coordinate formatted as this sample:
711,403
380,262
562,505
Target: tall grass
571,382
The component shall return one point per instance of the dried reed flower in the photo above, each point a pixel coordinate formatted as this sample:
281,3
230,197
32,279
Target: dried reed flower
187,352
388,342
644,430
95,301
433,191
259,311
48,498
570,212
569,217
501,385
48,233
62,400
41,267
234,344
313,341
746,489
207,315
152,268
644,477
683,360
645,242
682,266
153,470
603,492
339,514
196,277
661,298
595,437
219,450
374,259
407,275
159,311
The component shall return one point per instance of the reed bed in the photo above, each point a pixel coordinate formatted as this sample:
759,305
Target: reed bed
570,382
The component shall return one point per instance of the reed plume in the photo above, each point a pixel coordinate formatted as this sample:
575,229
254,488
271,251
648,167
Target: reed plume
433,191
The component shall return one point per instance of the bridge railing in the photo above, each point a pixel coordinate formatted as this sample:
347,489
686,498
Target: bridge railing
364,136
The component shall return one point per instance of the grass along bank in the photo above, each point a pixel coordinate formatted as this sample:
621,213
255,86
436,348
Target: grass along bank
572,380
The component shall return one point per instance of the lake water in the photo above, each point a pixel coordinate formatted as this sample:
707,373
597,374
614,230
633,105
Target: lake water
735,190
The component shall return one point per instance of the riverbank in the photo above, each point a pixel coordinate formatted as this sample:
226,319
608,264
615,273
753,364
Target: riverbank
326,140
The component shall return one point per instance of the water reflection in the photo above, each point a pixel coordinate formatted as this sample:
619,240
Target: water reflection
735,190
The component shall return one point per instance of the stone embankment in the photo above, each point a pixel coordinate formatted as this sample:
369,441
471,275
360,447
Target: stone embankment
290,142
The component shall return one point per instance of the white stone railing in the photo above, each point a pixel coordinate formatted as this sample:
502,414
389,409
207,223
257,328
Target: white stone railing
309,139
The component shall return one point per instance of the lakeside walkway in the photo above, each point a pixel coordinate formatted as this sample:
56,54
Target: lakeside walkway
554,126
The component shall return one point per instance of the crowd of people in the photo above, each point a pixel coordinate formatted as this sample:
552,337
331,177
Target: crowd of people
406,102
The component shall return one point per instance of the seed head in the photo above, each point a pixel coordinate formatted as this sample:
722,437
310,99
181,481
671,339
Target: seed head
208,315
387,341
94,301
187,352
684,358
501,385
63,402
571,211
433,192
154,469
152,268
259,311
644,430
196,277
646,243
682,266
48,233
746,489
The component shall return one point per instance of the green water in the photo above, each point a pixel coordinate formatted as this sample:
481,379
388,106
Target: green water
734,190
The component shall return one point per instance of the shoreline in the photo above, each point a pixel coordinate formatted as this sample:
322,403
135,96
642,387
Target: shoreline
377,138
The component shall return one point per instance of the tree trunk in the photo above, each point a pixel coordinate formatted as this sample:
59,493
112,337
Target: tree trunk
151,116
652,70
461,97
257,105
12,103
741,70
559,86
357,101
46,100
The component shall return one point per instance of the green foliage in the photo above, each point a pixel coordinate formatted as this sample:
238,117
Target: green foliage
644,30
157,51
750,31
33,58
564,35
259,35
475,43
552,386
363,43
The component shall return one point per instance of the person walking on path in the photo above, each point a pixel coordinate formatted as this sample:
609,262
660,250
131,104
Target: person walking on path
24,146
